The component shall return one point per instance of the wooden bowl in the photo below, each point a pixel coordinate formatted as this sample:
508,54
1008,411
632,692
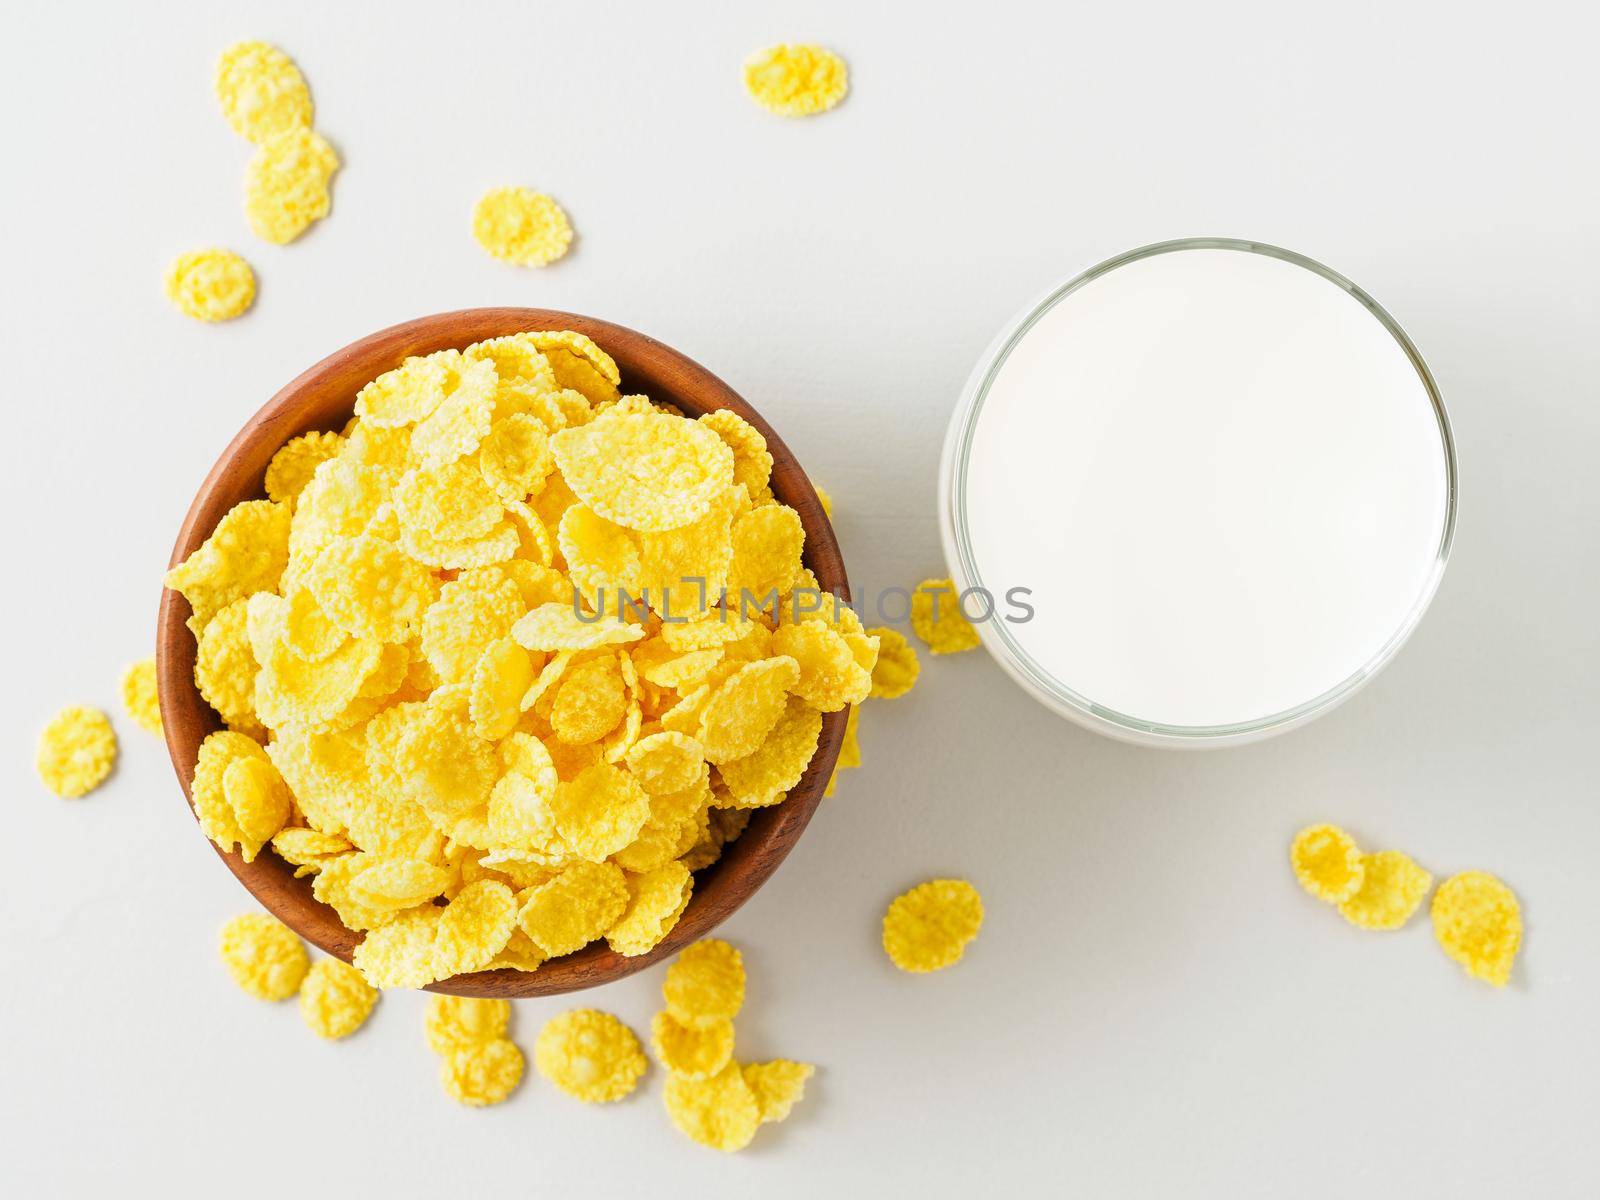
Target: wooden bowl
324,398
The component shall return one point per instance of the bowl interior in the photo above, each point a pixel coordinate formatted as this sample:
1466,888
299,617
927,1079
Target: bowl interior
324,398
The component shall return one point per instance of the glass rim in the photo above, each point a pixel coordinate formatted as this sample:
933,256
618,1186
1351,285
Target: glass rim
1022,665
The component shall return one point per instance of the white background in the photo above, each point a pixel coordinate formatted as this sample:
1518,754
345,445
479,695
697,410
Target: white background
1153,1008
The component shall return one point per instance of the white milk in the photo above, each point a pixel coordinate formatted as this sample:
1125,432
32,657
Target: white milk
1224,480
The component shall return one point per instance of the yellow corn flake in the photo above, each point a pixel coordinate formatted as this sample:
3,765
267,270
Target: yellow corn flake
474,927
575,907
767,543
1392,888
245,554
519,225
470,615
308,632
517,359
261,91
928,928
260,801
286,184
600,811
225,667
825,498
399,883
656,899
265,959
705,985
515,456
589,1055
1327,862
740,713
139,696
459,424
765,776
603,559
666,762
503,675
554,342
752,462
334,1000
482,1074
76,751
691,1051
520,954
408,393
830,677
589,702
457,1022
297,461
721,1112
1478,922
399,954
308,849
208,790
520,813
937,618
562,626
897,668
778,1086
210,285
796,80
292,691
649,472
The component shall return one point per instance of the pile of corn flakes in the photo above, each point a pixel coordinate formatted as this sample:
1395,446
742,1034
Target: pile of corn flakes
1476,918
712,1098
509,657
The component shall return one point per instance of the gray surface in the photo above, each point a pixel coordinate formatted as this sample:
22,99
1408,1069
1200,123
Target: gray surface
1153,1008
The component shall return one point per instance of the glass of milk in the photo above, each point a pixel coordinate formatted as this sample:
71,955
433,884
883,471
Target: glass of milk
1221,478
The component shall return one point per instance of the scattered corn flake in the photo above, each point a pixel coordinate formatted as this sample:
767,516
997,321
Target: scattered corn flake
139,696
721,1112
778,1086
691,1051
937,618
76,751
656,899
1392,888
765,776
600,811
521,226
334,1000
265,959
897,668
210,285
286,184
1327,862
796,80
1478,923
261,91
767,544
649,472
928,927
575,907
589,1055
456,1022
399,954
705,984
474,927
483,1073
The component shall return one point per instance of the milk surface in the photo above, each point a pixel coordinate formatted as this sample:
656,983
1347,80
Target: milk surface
1223,480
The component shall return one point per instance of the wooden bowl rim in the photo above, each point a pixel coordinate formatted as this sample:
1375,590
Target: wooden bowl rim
720,889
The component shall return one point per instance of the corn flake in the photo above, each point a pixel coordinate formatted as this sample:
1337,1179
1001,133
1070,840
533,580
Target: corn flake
765,776
1478,922
691,1051
474,927
515,456
558,626
896,669
721,1112
600,811
705,985
937,618
264,958
139,696
830,676
483,1073
767,544
225,667
76,751
519,225
286,184
649,472
210,285
1327,862
656,899
260,801
575,907
752,462
589,1055
928,927
261,91
1392,888
742,710
334,1000
297,461
778,1086
399,954
502,677
456,1022
796,80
